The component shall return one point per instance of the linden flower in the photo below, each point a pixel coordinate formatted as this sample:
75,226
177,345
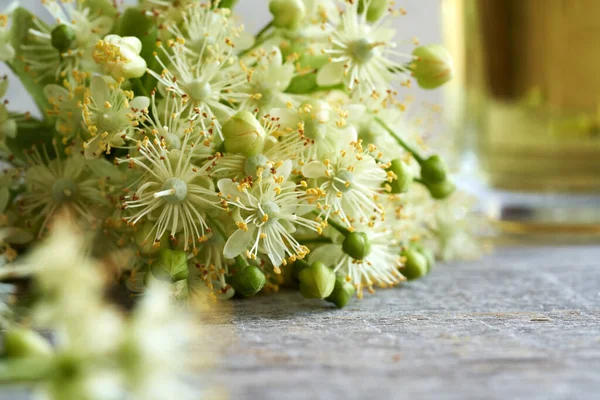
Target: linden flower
363,56
269,81
56,184
7,51
65,105
350,183
8,125
279,148
172,192
320,124
205,85
120,56
68,46
267,215
110,114
379,267
171,121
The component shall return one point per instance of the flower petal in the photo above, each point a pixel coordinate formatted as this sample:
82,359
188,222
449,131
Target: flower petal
314,169
330,74
237,243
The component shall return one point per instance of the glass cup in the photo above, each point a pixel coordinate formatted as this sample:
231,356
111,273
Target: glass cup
525,109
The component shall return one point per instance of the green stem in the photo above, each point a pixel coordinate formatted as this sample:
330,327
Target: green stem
315,240
264,29
141,87
416,154
258,43
241,261
338,227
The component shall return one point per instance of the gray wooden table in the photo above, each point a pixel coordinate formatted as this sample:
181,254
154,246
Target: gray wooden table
523,323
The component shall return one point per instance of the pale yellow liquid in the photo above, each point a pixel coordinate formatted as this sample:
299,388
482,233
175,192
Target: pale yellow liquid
526,99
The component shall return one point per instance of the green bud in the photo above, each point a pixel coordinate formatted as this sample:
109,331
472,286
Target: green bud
316,281
427,253
356,245
23,343
287,14
248,281
442,190
432,66
244,134
171,266
433,170
376,9
342,292
144,240
415,266
404,177
62,37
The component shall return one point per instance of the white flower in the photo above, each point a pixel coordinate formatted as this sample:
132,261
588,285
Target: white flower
172,193
380,267
8,124
270,79
80,31
321,125
267,214
58,184
350,184
110,115
280,146
65,105
158,341
7,51
207,84
363,56
120,56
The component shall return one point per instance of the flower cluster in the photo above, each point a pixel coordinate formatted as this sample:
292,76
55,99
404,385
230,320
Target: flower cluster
228,163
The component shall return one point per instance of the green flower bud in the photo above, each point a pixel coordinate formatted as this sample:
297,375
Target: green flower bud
376,9
248,281
244,134
427,253
62,37
171,266
415,266
316,281
356,245
442,190
342,292
287,14
22,343
403,179
433,170
144,239
432,66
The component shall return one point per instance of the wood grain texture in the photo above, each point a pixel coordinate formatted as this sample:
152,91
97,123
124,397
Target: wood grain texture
523,323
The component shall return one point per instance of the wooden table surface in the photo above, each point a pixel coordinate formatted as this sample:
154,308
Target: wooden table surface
522,323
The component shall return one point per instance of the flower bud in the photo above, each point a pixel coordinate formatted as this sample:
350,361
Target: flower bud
415,266
432,66
171,265
144,239
22,343
442,190
287,14
248,281
403,177
356,245
62,37
120,56
243,134
342,292
376,9
433,170
316,281
427,253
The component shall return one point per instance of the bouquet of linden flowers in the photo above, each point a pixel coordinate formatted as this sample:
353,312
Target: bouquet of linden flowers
222,162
